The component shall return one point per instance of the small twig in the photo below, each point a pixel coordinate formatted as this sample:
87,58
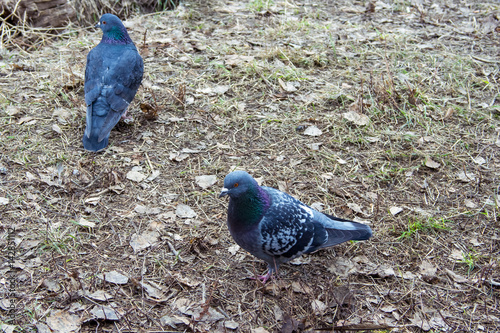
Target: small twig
489,61
173,95
362,90
359,327
206,306
144,39
149,163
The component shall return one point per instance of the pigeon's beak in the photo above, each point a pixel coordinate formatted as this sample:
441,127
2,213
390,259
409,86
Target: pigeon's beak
223,193
98,25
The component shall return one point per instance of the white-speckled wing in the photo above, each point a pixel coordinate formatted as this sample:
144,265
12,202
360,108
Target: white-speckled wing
287,228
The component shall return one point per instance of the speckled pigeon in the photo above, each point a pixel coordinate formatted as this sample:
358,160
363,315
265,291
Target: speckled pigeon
113,75
275,227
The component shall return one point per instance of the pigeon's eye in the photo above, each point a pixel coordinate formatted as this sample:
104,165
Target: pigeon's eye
236,184
103,22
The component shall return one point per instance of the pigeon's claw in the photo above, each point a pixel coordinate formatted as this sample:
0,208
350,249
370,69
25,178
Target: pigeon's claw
263,278
125,117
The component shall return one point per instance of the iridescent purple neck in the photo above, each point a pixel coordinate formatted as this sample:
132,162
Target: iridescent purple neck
264,197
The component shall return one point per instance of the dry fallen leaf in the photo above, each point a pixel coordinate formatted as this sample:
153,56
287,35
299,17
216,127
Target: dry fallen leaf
63,322
372,139
51,285
466,176
103,312
100,295
183,305
206,181
385,271
172,321
407,275
154,175
136,175
11,110
153,291
470,204
313,131
356,208
232,325
314,146
426,139
395,210
144,240
449,112
201,314
177,157
289,86
140,209
302,260
150,111
431,164
342,267
318,307
420,321
113,277
456,277
215,90
56,129
84,223
62,115
259,330
457,255
26,121
238,60
184,211
186,280
475,242
317,206
300,287
479,160
428,271
233,249
388,308
356,118
282,186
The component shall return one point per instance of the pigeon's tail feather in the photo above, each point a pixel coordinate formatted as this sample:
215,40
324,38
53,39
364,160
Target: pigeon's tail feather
95,138
111,120
336,236
88,127
340,230
91,143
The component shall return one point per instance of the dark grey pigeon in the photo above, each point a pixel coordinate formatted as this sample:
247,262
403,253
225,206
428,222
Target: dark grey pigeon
275,227
112,77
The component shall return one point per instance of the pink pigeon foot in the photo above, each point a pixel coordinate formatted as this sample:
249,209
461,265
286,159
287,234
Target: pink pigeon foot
126,119
263,278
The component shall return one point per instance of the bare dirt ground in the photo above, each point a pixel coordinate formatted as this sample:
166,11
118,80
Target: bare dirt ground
384,112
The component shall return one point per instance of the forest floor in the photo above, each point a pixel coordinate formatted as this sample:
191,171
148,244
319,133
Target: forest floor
386,113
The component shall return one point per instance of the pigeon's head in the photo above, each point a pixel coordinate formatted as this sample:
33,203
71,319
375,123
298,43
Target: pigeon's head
112,28
237,183
109,22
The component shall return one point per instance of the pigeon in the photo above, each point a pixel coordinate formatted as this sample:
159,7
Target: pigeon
276,227
112,76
